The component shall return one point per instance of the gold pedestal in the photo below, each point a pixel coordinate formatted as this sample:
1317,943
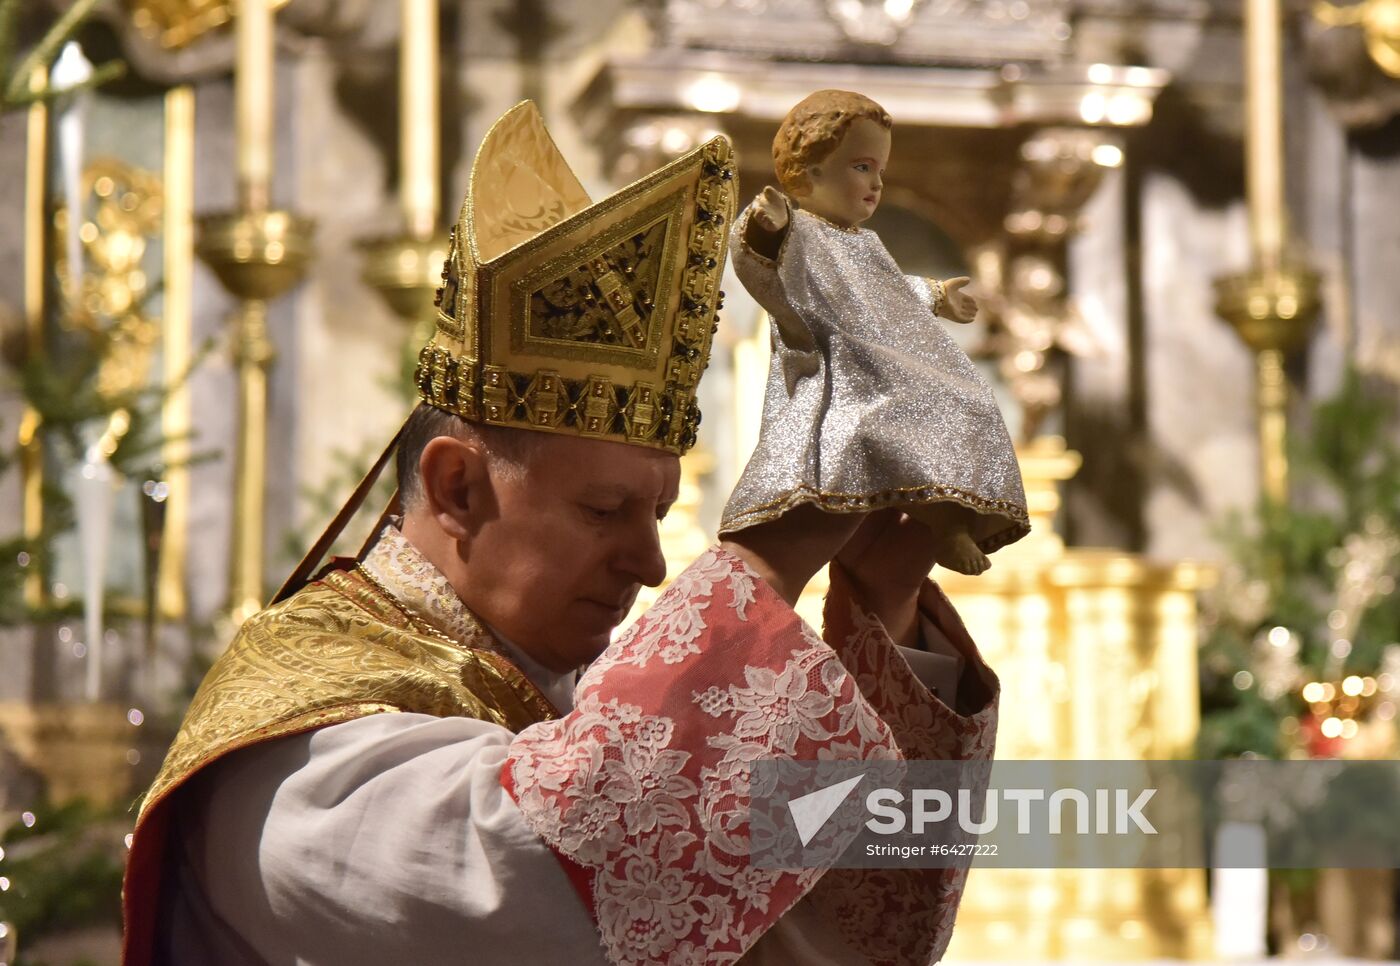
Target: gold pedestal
1096,650
257,256
80,750
407,273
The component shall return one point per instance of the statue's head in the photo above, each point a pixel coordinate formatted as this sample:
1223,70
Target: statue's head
830,154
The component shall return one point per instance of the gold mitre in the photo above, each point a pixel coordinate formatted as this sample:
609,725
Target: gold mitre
568,316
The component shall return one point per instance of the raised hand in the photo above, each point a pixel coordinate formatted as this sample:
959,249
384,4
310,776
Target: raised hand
786,552
770,210
959,306
887,560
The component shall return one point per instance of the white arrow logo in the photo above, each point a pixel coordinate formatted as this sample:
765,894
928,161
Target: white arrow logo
810,811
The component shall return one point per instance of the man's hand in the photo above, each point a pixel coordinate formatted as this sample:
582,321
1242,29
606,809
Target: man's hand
770,210
887,560
959,306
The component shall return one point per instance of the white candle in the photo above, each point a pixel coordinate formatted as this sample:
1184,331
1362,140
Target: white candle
253,103
1264,130
418,116
93,508
71,69
1240,896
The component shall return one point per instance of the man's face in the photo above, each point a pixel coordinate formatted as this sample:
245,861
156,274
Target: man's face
574,538
846,185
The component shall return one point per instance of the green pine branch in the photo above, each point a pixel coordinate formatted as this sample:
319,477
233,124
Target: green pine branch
15,91
1284,565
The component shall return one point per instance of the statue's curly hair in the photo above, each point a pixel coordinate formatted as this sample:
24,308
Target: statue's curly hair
814,128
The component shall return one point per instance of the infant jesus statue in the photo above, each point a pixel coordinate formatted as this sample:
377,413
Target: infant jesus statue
870,404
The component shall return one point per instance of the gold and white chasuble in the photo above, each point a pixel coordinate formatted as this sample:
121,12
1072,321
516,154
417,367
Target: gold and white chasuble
369,776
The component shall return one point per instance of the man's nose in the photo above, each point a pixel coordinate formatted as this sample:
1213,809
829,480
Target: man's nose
642,557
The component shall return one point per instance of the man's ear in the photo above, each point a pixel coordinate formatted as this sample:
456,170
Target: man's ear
456,486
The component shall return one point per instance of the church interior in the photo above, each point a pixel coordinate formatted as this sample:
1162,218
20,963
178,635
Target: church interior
228,220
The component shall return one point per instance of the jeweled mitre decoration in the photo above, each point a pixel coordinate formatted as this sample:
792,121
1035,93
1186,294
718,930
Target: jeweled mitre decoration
562,315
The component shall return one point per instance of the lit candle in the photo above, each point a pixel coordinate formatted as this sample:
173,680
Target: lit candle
418,116
253,79
1264,131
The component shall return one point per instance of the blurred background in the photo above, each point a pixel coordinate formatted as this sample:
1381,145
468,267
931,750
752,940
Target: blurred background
225,222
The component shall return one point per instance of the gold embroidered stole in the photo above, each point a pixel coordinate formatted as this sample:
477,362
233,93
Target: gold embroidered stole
339,649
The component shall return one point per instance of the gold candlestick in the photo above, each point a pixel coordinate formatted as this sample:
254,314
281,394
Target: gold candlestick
258,254
407,269
1272,305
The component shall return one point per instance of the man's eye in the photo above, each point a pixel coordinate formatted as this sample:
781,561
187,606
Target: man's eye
600,512
862,167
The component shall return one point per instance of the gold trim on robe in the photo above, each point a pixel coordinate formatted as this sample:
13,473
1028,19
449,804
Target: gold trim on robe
340,649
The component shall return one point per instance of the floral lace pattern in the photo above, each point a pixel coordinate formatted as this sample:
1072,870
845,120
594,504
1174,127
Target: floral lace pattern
903,916
644,787
651,798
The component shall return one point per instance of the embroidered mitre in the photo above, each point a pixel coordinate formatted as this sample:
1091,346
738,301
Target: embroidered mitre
566,316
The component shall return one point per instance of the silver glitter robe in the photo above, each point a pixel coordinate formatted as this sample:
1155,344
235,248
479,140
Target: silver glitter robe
870,403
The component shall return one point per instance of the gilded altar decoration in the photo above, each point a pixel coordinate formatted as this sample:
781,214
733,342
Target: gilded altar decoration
565,316
109,300
1379,22
1032,323
1352,52
177,23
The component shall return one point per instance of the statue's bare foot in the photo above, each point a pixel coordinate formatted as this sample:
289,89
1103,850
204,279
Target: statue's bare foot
959,553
